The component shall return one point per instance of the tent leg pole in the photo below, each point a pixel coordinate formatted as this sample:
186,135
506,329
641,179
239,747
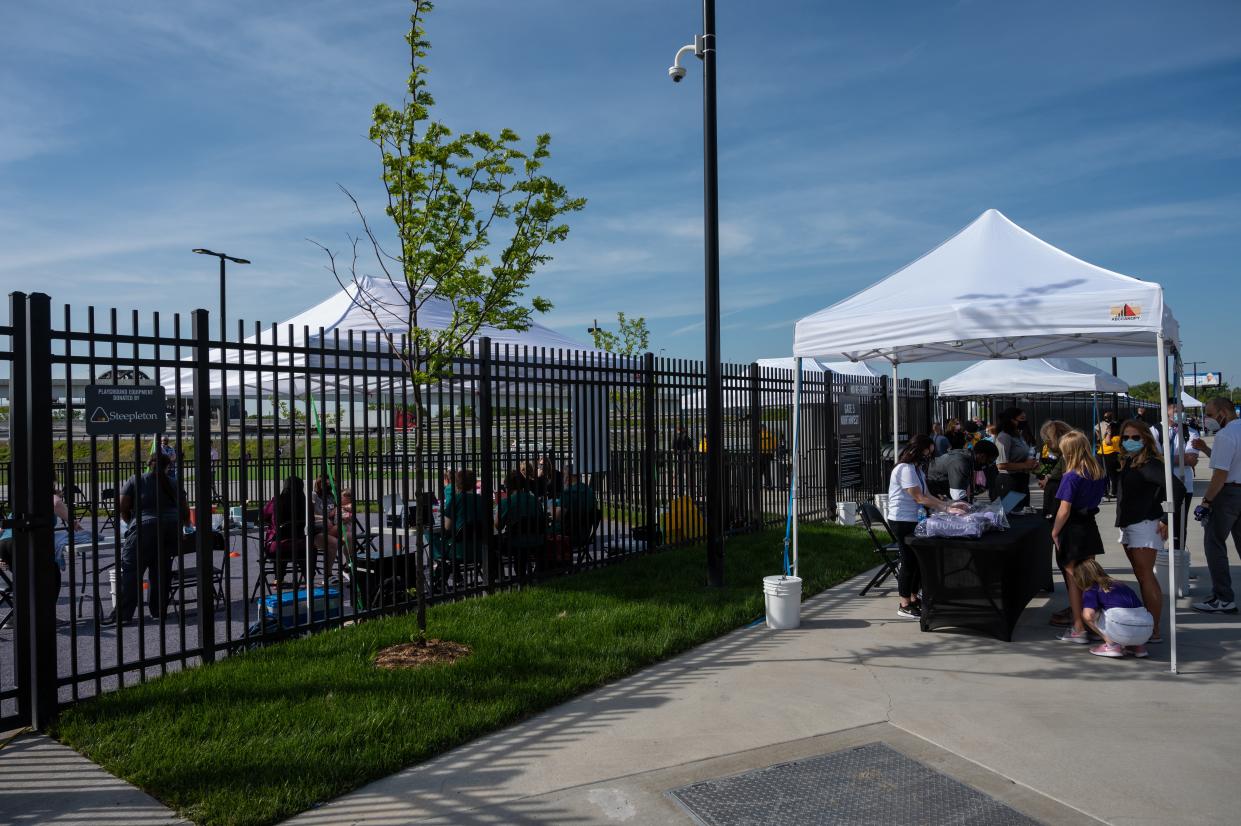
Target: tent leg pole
796,457
1169,509
896,414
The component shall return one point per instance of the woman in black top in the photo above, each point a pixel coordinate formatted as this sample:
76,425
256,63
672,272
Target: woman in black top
290,538
1143,524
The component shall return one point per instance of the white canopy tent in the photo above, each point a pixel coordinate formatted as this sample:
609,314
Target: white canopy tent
1187,401
1031,376
995,291
371,311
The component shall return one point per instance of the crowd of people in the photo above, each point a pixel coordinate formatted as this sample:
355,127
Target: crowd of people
1123,462
539,514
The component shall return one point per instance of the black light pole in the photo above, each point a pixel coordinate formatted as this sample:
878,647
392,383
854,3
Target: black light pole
223,258
704,48
1115,397
223,327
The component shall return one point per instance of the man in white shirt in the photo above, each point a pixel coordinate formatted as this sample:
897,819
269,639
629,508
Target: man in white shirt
1181,442
1220,511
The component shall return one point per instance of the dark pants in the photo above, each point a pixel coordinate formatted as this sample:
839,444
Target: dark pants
1225,521
1111,463
149,548
764,462
1015,483
909,577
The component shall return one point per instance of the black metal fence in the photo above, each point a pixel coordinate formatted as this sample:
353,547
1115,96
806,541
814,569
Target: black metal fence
87,606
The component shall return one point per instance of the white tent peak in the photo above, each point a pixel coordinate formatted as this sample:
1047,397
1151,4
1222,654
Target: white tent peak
351,309
992,290
1013,376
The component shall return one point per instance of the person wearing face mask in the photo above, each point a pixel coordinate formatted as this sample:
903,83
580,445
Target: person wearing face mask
1180,450
1220,511
907,495
1139,510
1015,459
954,474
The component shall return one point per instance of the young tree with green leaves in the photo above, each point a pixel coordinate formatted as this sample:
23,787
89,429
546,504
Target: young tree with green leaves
474,217
631,338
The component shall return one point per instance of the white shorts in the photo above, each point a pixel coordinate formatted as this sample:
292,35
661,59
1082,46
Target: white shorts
1142,535
1126,626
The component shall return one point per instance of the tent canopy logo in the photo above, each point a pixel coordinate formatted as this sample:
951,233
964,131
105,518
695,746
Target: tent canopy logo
1127,312
100,415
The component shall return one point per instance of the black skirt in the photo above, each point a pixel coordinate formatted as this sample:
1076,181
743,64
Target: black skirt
1079,539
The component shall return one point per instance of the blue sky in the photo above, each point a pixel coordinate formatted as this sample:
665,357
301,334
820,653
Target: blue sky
853,137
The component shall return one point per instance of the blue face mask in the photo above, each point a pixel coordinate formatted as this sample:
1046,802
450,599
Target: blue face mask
1132,445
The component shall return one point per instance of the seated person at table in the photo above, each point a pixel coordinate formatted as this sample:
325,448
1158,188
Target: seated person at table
60,542
286,536
954,473
1113,611
529,477
549,481
576,513
154,510
324,527
520,518
465,519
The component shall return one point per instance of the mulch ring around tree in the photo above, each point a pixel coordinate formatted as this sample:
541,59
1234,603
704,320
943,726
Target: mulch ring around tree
414,655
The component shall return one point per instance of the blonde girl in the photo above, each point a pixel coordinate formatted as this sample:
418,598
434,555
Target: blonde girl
1075,531
1113,611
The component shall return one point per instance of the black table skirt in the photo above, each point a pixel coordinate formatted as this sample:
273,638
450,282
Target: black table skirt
983,583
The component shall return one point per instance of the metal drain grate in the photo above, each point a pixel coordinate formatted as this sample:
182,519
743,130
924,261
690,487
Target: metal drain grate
871,784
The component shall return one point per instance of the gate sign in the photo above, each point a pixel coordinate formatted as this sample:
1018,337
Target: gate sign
124,410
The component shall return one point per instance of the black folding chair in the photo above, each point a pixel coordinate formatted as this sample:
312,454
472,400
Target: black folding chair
581,533
889,552
7,606
185,576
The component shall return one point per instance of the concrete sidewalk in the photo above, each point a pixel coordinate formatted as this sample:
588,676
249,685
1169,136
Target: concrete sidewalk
43,782
1067,734
1042,726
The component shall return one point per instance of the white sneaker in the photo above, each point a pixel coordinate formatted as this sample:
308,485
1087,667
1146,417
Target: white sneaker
1215,605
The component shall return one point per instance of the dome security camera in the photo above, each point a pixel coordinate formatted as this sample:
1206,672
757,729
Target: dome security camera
677,73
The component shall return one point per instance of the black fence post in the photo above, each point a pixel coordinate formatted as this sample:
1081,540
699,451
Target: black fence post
930,402
19,487
831,457
202,484
756,449
36,579
485,448
648,450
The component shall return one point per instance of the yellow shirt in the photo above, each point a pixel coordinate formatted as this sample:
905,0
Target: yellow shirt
1109,446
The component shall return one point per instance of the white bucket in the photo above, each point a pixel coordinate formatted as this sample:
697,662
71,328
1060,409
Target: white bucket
881,502
783,596
1182,572
846,513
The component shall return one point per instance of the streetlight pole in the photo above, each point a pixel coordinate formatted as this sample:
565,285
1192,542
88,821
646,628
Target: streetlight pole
704,48
223,326
223,278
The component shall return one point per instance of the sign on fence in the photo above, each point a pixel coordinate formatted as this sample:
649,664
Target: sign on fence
849,441
125,409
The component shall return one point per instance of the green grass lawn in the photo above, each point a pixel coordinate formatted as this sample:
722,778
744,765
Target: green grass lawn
260,736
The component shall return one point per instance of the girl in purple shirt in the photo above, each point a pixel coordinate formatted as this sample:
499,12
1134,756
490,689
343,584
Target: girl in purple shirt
1075,532
1113,611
